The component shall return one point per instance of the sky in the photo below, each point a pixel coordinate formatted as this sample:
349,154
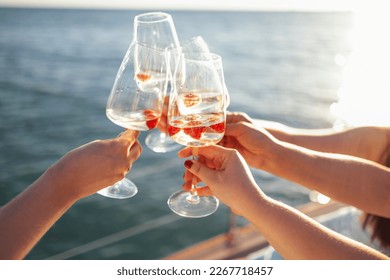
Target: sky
301,5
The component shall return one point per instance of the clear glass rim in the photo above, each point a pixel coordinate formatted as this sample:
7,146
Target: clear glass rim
152,17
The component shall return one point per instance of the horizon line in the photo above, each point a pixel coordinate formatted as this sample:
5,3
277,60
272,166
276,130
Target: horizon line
183,7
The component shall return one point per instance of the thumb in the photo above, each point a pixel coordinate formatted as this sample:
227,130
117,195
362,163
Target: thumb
128,136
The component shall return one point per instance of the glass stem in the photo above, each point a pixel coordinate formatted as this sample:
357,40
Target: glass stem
193,197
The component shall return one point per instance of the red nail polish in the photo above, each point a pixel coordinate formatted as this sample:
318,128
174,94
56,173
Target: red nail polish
188,164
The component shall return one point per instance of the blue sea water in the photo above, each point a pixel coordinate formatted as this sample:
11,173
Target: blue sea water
56,71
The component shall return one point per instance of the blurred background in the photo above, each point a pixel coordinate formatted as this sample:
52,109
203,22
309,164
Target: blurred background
312,65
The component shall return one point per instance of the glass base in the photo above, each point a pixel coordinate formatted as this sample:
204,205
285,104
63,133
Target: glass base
159,142
120,190
184,204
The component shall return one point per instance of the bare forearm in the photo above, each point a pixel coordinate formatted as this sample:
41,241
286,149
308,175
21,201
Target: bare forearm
337,176
324,140
366,142
29,216
295,236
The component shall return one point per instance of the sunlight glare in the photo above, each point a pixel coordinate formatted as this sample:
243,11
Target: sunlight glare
364,93
318,197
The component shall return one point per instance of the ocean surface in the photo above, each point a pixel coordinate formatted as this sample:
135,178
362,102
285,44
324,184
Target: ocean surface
56,71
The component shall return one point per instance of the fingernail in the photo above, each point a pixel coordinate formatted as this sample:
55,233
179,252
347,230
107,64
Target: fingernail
188,164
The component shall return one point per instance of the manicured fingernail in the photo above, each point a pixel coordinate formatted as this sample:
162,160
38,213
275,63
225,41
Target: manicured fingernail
188,164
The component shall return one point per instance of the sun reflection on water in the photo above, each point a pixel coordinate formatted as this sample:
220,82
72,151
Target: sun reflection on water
363,96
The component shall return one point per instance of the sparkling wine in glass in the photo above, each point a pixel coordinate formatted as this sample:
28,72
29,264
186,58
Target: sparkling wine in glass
136,99
196,118
157,30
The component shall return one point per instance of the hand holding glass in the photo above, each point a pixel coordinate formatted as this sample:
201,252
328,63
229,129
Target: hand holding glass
196,117
136,99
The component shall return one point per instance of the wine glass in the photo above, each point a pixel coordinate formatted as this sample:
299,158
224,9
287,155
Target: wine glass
136,99
197,44
196,117
157,30
219,67
157,140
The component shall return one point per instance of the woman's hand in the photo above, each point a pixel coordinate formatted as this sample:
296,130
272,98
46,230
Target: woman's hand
225,173
96,165
254,144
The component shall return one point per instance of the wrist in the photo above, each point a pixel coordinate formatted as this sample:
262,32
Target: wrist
249,202
58,188
270,157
